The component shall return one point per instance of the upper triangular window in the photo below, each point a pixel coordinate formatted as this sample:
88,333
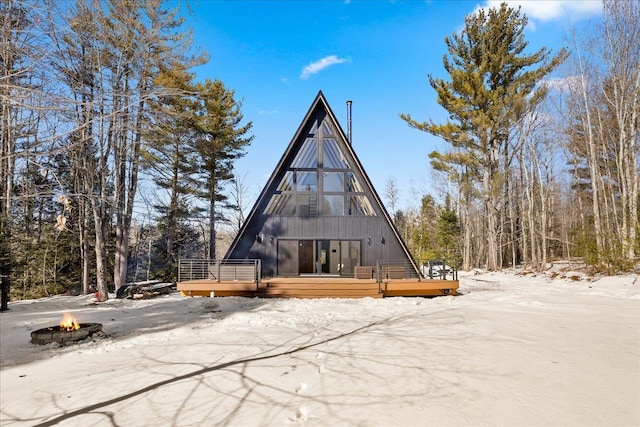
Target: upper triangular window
332,155
307,157
319,180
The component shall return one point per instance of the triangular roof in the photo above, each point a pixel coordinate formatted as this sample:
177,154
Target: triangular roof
319,103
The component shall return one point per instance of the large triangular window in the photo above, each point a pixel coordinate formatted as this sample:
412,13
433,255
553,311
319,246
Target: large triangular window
320,180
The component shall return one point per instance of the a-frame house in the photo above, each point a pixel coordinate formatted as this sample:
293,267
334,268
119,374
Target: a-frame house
319,213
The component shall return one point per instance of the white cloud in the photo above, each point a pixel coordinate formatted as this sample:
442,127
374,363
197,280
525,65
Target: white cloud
316,67
557,83
562,83
550,10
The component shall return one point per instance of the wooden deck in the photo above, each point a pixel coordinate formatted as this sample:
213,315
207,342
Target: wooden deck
320,287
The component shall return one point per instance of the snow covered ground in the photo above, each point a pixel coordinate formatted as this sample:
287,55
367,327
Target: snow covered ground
513,350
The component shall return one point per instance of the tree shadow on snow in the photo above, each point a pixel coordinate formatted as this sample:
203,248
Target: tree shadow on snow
360,354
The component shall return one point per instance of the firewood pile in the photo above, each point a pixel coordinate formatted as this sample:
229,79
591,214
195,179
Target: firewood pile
145,290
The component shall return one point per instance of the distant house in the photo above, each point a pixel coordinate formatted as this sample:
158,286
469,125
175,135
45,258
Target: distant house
319,213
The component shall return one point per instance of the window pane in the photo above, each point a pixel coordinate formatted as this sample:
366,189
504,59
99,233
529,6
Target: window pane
314,128
333,205
352,183
326,129
307,181
307,157
359,205
287,182
306,205
333,181
280,204
332,155
350,256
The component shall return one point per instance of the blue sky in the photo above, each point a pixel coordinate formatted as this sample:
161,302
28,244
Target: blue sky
277,55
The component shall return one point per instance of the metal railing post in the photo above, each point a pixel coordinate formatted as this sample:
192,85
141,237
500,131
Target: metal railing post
257,265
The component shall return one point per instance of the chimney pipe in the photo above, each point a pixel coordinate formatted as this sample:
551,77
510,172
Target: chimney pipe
349,121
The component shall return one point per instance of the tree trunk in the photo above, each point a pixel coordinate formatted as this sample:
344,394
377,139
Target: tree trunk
592,160
212,219
128,197
173,211
491,208
100,251
621,56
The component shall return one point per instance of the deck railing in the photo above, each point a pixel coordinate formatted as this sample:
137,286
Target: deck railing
220,270
403,269
228,270
394,269
437,269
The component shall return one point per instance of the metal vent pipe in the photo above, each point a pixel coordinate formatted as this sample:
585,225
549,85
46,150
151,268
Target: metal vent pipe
349,121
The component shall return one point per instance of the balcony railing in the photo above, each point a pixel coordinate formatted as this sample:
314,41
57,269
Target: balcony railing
227,270
402,269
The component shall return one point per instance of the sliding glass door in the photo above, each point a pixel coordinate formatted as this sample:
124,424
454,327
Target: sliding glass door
318,257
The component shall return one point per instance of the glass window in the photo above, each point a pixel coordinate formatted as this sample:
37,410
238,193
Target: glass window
333,205
359,205
333,181
326,129
280,204
287,182
306,205
307,157
332,155
314,128
319,180
350,256
353,186
307,181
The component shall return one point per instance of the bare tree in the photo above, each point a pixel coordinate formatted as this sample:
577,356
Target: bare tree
603,105
146,37
25,134
238,197
621,56
392,194
109,58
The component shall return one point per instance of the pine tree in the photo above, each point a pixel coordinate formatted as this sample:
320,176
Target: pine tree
169,155
221,139
492,86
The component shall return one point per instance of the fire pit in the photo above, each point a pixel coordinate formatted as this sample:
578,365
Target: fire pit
68,331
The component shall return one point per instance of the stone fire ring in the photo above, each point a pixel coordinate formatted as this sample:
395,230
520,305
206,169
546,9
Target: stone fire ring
55,334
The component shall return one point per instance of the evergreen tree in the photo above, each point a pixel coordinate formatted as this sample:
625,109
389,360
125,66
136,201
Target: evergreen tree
170,155
492,86
424,233
449,235
220,141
